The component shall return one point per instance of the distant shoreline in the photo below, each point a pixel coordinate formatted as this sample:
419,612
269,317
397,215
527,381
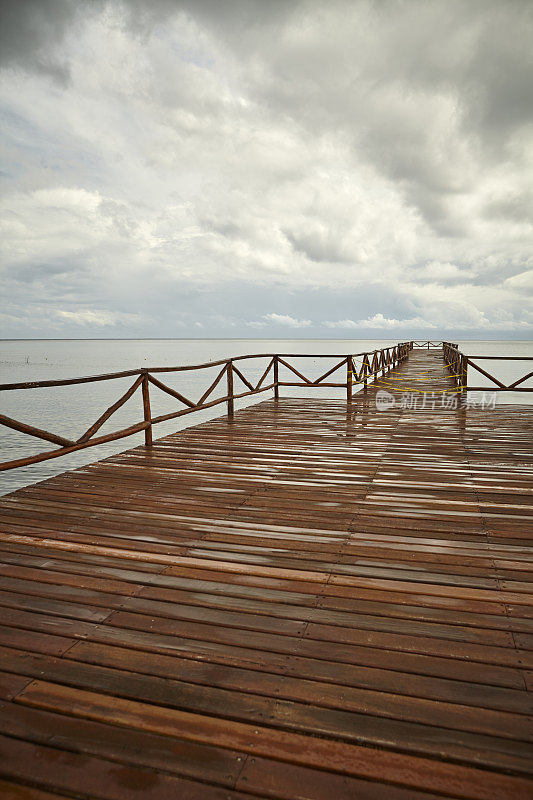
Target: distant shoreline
447,337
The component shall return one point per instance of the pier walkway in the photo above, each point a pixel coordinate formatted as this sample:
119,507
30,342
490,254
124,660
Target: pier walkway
309,600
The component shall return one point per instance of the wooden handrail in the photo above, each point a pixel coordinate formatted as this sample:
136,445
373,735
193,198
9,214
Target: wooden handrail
213,386
483,372
172,392
110,411
241,377
458,363
182,368
331,371
272,363
30,430
296,372
372,362
63,451
230,395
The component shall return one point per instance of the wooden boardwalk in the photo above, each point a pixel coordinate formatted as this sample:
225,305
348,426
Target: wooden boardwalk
309,601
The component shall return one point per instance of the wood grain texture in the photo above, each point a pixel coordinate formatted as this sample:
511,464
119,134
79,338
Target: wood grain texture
311,600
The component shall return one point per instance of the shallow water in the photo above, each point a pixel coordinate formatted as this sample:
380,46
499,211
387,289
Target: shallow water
70,410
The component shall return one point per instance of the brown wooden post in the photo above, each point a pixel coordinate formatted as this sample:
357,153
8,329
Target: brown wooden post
229,372
147,412
349,379
365,372
276,378
456,363
464,374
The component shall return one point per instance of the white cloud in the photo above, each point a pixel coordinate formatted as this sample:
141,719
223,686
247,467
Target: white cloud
342,323
380,321
522,282
443,272
285,319
100,319
376,154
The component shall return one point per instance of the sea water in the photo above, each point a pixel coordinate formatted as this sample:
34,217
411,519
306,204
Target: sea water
69,410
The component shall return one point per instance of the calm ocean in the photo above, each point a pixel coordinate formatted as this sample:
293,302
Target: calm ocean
70,410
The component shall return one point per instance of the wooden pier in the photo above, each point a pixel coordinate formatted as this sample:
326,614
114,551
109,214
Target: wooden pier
308,599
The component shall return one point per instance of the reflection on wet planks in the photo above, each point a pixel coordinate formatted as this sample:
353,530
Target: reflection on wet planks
309,601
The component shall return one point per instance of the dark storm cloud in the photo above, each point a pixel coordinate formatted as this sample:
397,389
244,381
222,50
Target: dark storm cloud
31,33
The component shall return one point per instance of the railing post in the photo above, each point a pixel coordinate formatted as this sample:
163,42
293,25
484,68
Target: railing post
276,378
229,373
365,372
147,412
349,379
464,375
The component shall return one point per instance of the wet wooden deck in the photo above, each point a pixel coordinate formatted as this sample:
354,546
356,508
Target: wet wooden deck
311,601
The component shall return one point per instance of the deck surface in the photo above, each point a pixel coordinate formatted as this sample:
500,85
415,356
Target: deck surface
311,601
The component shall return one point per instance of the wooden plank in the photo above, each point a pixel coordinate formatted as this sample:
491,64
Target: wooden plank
48,767
483,751
18,791
94,675
283,589
169,754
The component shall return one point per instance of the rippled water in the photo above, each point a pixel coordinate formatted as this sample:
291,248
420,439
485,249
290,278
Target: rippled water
70,410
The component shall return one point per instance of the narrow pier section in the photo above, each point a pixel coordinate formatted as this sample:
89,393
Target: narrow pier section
311,599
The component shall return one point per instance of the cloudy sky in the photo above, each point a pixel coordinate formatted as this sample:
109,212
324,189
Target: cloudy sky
267,168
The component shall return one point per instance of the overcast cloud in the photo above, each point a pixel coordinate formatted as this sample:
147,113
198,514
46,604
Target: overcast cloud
267,168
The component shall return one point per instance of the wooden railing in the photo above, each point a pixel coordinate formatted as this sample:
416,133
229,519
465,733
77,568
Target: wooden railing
457,364
360,368
425,344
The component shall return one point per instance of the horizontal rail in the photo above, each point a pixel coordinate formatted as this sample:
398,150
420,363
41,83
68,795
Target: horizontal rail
312,385
360,369
502,358
371,363
458,363
498,389
108,376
